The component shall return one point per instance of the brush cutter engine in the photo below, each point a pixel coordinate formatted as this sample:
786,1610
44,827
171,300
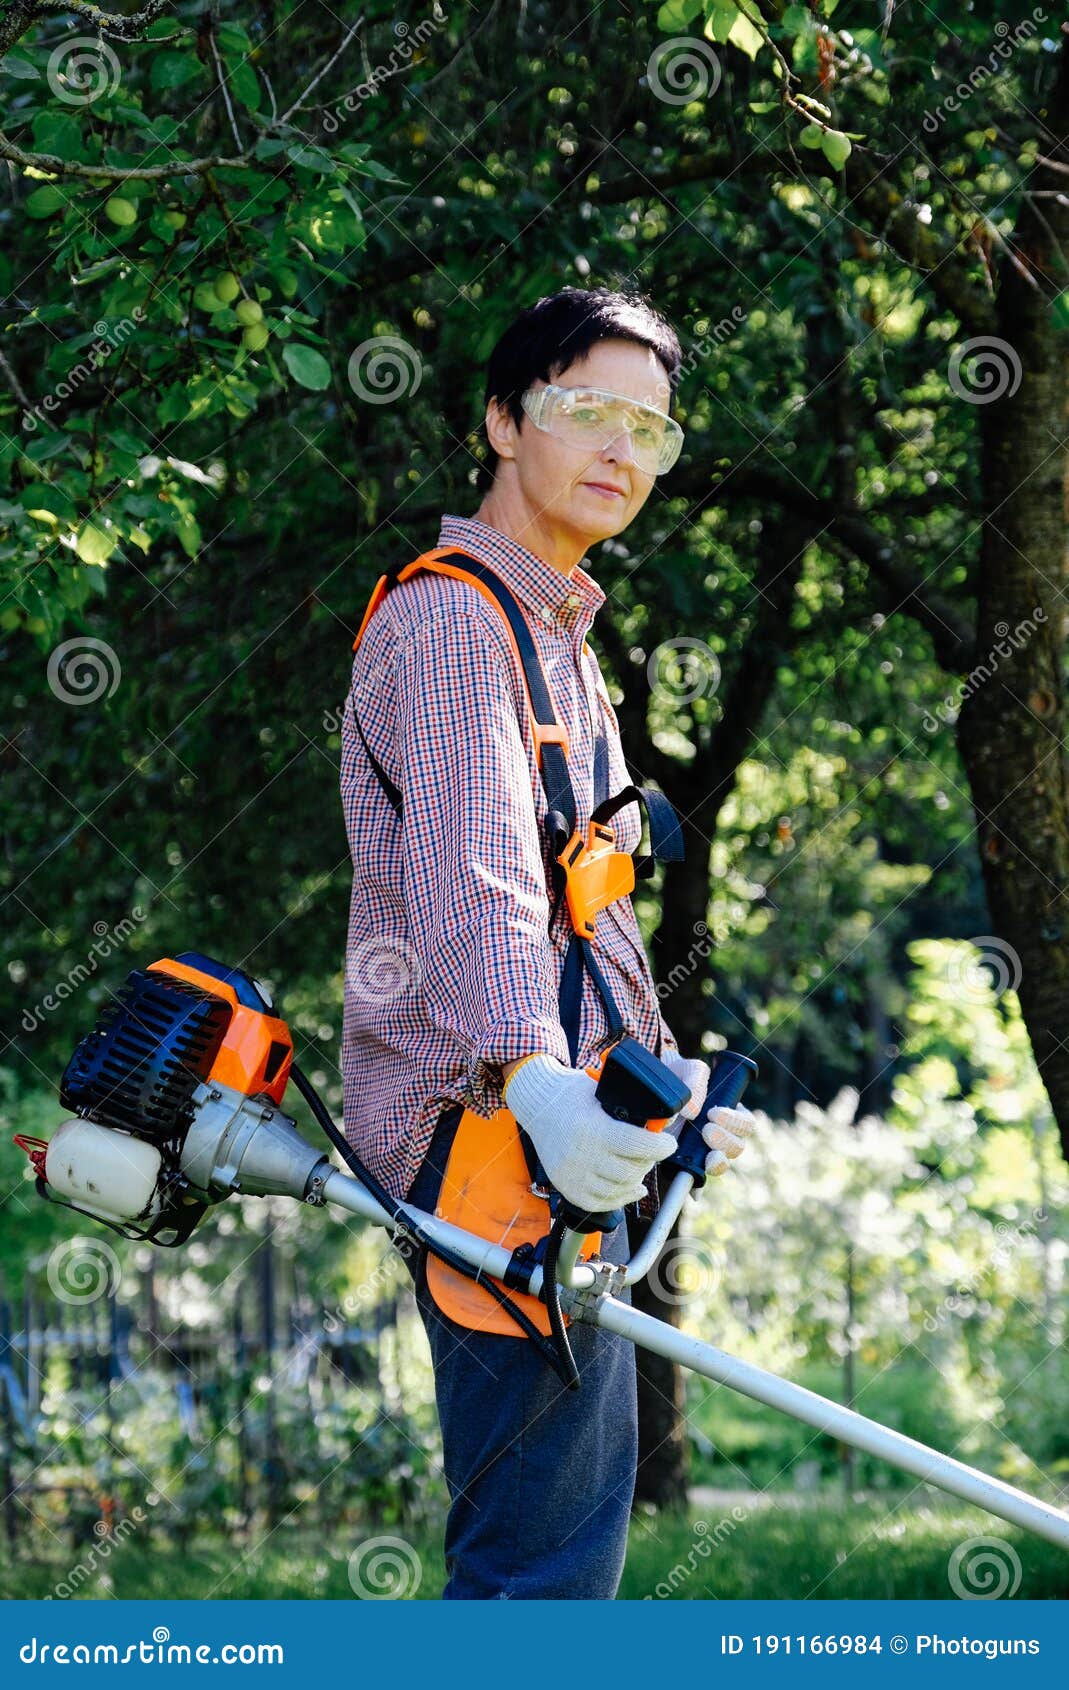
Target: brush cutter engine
177,1097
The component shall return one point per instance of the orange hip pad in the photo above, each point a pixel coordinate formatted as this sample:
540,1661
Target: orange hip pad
487,1190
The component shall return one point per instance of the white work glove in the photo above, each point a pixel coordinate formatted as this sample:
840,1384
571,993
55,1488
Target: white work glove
595,1162
725,1130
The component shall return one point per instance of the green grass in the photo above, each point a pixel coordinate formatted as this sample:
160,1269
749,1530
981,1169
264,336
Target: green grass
779,1549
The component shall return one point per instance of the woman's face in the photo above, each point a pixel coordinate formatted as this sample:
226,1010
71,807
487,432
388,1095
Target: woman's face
591,495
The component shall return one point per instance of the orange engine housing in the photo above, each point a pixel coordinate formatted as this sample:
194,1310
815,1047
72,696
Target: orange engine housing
257,1049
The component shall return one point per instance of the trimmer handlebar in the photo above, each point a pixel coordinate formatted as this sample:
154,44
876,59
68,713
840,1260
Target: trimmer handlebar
634,1086
730,1076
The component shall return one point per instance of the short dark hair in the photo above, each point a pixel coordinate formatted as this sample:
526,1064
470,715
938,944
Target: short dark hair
558,331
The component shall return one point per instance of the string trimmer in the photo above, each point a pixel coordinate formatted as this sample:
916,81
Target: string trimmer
177,1104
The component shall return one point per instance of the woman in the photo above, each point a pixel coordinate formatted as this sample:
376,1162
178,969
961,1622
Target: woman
455,965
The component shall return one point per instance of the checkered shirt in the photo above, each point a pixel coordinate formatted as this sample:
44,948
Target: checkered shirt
450,966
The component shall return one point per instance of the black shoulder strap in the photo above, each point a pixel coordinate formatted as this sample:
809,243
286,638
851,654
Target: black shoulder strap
666,835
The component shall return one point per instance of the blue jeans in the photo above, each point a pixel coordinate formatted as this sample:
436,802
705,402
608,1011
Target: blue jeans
540,1478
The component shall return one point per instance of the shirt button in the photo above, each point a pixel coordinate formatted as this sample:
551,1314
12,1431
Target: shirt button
573,599
545,612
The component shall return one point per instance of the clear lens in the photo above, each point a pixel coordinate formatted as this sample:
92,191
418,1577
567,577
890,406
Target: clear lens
592,418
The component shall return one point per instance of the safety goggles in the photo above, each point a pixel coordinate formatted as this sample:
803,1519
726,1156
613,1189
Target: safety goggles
593,418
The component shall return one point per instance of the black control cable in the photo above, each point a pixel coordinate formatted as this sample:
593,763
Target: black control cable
560,1359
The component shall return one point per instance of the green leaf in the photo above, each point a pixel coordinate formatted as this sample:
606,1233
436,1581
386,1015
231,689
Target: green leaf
812,136
41,497
126,442
721,17
372,167
94,545
164,128
174,70
1060,311
308,367
745,37
836,147
869,42
677,14
233,39
45,201
312,158
100,268
245,83
795,20
16,65
188,532
42,447
57,132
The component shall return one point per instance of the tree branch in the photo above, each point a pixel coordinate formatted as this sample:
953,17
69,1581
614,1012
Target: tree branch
23,14
953,640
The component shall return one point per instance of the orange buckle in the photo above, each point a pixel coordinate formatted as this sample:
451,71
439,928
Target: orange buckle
549,733
596,874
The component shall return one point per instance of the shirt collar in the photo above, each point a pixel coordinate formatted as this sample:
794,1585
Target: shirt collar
566,602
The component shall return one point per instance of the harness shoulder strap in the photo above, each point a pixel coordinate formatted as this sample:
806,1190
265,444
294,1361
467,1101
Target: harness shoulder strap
550,737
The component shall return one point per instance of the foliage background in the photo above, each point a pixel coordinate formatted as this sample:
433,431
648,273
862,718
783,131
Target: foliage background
213,512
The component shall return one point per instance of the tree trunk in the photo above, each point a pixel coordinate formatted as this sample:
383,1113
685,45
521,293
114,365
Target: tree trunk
682,949
1011,729
663,1465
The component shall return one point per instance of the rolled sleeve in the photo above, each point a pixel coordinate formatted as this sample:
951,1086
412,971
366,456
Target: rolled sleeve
474,872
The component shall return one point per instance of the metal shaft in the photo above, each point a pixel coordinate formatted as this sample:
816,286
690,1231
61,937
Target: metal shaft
843,1423
656,1335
